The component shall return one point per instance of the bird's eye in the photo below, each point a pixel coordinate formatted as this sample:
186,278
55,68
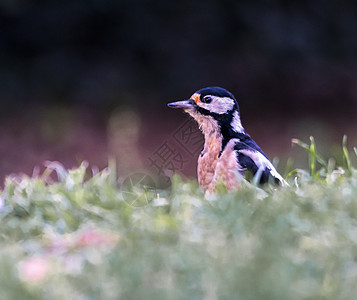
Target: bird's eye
207,99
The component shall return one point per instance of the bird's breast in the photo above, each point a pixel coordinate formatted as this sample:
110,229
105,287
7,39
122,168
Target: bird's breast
228,170
214,168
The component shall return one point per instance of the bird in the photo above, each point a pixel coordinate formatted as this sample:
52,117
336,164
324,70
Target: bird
229,153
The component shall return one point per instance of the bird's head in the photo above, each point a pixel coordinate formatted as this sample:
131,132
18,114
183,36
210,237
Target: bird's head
214,109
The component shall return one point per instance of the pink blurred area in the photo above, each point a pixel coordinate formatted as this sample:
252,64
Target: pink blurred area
29,139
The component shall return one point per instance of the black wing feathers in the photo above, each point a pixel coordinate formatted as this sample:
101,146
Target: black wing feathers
248,163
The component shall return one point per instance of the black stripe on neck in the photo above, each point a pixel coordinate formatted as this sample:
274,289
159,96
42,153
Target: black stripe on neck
224,123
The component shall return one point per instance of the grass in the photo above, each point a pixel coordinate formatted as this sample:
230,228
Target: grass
79,237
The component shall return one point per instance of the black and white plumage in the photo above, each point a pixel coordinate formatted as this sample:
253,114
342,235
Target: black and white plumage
228,151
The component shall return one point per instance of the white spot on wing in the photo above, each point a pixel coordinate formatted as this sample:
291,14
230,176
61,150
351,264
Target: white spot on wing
262,162
219,105
236,123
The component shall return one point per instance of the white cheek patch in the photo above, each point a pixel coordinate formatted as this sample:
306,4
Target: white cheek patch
218,105
236,123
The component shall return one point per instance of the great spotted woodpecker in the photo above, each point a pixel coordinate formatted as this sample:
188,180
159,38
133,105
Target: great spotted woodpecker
229,152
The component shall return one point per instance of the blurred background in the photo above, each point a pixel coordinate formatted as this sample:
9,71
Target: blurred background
87,80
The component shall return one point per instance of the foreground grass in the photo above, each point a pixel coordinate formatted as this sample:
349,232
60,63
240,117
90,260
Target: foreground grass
81,238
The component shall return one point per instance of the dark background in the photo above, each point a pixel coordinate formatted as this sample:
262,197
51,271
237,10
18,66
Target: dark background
91,79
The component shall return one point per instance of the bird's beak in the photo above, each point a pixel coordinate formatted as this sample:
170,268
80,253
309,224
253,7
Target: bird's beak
185,104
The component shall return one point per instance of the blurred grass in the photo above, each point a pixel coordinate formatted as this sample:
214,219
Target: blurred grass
78,237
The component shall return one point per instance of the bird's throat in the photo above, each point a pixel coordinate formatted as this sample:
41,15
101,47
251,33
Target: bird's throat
212,133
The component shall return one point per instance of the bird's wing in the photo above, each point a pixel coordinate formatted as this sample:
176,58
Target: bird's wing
256,162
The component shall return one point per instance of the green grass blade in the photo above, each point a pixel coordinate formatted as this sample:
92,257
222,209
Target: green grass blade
301,144
346,154
312,156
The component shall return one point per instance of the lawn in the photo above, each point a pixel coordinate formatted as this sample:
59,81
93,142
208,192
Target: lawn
81,237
